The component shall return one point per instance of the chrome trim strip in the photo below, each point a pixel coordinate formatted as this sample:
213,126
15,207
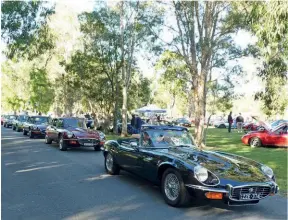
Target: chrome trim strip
70,139
208,189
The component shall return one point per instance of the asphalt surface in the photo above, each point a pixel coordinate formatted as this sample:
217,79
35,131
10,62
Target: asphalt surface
41,182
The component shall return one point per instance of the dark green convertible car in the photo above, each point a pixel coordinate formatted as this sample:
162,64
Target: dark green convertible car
168,156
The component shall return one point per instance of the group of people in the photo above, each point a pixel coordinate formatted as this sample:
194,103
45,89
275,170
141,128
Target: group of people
239,122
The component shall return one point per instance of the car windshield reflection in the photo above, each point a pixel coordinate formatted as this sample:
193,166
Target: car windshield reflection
167,138
75,123
40,120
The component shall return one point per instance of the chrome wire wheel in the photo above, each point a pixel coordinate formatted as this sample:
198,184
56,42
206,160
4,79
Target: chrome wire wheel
109,162
255,142
172,186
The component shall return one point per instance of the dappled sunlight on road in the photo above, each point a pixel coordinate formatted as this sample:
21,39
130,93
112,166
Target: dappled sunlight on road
40,168
102,176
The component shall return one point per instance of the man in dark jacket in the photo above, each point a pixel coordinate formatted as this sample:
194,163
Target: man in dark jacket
239,121
138,124
133,121
230,121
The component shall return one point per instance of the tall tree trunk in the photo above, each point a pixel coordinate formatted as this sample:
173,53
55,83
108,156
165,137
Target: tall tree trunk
124,75
116,107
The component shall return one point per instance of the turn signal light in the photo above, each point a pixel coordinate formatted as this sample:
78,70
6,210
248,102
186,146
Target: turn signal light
73,142
214,195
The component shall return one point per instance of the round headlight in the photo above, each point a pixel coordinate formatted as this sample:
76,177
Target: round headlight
201,173
69,134
267,170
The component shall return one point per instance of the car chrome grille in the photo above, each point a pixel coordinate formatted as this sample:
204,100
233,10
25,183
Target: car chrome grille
262,190
94,141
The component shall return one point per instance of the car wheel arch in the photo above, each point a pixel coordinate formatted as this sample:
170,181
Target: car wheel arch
162,168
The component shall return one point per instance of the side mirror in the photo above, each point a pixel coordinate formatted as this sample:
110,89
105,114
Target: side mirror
134,145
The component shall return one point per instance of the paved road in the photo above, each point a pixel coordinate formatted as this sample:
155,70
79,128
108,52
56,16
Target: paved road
41,182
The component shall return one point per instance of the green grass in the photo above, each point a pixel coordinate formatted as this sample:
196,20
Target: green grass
220,139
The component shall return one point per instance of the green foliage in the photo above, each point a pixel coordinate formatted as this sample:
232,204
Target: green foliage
24,28
268,21
41,93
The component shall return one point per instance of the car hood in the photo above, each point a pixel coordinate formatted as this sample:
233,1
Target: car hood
226,166
41,126
84,133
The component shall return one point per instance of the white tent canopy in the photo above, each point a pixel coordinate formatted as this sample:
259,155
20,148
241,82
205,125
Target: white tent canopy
151,109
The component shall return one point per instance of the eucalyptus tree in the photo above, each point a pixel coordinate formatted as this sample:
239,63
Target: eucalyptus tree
202,39
268,22
139,22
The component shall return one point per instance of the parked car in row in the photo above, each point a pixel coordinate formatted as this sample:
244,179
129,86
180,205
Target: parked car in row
277,136
18,122
168,156
2,119
73,133
224,124
35,126
8,120
182,122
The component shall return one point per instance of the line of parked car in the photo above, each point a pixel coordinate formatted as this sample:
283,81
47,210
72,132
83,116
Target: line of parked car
67,132
165,155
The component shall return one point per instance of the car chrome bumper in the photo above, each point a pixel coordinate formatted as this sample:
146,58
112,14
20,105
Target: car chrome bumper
228,192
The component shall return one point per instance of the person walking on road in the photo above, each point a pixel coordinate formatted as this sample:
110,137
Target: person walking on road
239,121
230,121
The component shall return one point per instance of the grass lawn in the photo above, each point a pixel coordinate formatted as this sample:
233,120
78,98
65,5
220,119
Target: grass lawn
220,139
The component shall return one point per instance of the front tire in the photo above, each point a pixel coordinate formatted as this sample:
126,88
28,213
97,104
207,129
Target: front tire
24,132
97,148
13,128
31,134
255,142
17,129
62,144
47,140
173,188
222,126
110,166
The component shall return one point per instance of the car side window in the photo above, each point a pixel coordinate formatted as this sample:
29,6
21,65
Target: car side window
60,123
54,122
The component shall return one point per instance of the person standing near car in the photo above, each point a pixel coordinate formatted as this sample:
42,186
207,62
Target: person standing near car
239,121
230,121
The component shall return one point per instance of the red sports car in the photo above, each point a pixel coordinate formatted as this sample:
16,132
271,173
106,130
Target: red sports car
250,127
265,136
72,132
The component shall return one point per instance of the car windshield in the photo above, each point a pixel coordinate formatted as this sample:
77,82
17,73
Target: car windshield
166,138
40,120
11,117
22,118
75,123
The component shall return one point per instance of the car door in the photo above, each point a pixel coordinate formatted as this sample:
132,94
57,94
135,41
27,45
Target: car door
128,156
148,163
278,137
52,130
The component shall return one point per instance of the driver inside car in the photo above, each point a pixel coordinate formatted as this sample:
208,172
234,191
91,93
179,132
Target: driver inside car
147,142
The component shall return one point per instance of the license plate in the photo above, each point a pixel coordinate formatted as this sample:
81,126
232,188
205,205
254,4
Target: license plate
88,144
248,196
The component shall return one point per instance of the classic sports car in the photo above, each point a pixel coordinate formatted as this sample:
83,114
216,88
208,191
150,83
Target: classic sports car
72,132
18,122
8,120
277,136
167,155
182,122
250,127
35,126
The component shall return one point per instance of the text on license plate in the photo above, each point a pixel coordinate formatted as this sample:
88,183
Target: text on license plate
88,144
249,196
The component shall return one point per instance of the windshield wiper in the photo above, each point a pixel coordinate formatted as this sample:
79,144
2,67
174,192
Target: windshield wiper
184,145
